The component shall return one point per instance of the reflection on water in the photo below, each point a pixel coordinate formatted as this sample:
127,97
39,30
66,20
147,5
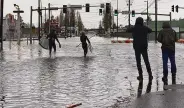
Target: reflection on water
140,88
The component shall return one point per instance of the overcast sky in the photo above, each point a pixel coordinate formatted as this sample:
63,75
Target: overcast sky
92,19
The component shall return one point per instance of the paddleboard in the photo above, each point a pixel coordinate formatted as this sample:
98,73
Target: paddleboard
44,43
90,48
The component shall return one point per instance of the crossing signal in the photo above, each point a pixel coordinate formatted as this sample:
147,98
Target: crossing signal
100,11
115,12
64,8
177,8
87,7
107,7
172,8
133,13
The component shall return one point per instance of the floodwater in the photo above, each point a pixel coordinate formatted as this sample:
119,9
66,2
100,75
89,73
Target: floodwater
29,78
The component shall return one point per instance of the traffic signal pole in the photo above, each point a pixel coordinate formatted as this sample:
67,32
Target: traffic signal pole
156,12
129,13
117,20
39,20
1,24
31,25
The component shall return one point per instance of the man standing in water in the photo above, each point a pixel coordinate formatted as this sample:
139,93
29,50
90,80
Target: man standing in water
140,45
83,39
52,37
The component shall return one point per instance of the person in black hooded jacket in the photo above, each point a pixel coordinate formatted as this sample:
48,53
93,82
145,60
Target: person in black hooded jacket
140,45
83,39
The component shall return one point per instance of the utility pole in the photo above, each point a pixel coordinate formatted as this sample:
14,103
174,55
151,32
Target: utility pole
49,16
31,13
147,12
156,21
45,15
1,24
117,21
38,20
170,18
129,13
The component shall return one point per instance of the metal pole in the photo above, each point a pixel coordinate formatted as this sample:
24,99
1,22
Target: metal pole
1,24
110,18
19,28
49,16
45,20
65,23
147,13
31,13
170,18
117,20
156,21
41,25
38,20
129,13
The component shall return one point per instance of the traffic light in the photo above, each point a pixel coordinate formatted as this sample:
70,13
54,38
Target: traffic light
64,8
101,5
87,7
107,7
172,8
115,12
177,8
100,11
133,13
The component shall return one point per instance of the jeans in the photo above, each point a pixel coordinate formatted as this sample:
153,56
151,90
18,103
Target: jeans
144,53
167,53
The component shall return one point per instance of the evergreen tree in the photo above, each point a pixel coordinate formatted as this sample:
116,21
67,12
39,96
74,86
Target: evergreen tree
61,19
100,27
80,23
72,18
107,20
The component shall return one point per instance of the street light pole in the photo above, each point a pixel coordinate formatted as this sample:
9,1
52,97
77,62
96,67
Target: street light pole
117,21
1,24
38,20
147,12
156,12
129,13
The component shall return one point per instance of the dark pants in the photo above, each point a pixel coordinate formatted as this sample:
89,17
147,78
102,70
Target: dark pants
85,48
144,53
167,53
52,44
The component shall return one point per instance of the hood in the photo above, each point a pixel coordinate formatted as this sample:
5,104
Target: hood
139,21
166,25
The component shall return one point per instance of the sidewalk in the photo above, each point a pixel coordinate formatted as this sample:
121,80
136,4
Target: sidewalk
171,98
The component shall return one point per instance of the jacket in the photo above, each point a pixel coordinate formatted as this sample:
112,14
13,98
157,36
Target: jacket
167,36
140,35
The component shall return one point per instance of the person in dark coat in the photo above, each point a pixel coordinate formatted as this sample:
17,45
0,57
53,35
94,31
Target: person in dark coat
140,45
167,36
83,39
52,37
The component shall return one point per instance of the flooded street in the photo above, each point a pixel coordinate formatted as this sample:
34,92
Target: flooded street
29,78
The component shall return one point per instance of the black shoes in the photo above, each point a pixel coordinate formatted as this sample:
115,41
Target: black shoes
165,80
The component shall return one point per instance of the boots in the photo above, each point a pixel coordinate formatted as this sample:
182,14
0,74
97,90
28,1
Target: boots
174,78
165,80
